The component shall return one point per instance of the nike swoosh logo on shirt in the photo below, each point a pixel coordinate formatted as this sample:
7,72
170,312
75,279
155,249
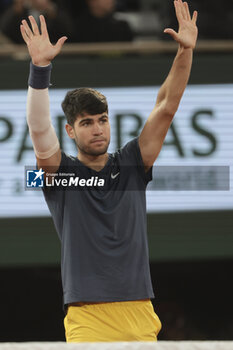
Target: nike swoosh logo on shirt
114,176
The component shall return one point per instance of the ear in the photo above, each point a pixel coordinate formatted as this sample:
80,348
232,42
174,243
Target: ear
70,131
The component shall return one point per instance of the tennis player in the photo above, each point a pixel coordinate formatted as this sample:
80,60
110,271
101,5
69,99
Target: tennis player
105,264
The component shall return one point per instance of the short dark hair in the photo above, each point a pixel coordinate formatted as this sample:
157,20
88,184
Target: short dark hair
83,101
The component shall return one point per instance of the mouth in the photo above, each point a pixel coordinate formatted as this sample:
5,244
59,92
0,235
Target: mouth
98,141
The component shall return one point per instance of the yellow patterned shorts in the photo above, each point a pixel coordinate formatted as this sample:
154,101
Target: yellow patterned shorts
109,322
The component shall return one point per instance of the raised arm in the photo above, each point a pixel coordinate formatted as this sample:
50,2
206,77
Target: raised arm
44,138
153,134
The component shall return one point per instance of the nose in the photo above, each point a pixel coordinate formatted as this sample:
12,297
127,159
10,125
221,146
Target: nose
97,129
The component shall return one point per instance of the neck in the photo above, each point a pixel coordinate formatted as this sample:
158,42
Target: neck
94,162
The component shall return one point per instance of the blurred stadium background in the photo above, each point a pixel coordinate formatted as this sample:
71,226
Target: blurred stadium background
190,233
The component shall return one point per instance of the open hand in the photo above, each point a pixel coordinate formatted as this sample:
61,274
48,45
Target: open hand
39,46
187,33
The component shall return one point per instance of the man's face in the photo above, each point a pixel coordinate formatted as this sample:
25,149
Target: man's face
101,8
39,5
91,133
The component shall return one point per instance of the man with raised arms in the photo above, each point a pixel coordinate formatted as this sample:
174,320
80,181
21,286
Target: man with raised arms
104,263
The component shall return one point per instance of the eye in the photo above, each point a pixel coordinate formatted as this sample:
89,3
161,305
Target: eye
103,121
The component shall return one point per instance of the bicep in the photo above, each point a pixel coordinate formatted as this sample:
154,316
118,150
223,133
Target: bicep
50,164
153,134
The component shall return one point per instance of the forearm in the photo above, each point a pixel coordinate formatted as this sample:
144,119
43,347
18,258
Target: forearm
173,88
44,139
38,113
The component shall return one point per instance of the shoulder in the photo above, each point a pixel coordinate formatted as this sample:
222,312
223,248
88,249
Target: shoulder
131,145
130,156
67,161
68,158
129,153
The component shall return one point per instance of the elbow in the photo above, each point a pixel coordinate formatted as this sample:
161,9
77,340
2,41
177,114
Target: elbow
38,123
37,128
169,109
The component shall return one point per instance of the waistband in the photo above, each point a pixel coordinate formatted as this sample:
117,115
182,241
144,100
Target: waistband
114,303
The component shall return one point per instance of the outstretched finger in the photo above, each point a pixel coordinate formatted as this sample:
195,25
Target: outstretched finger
186,6
178,10
183,9
43,25
23,33
34,25
27,28
194,19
